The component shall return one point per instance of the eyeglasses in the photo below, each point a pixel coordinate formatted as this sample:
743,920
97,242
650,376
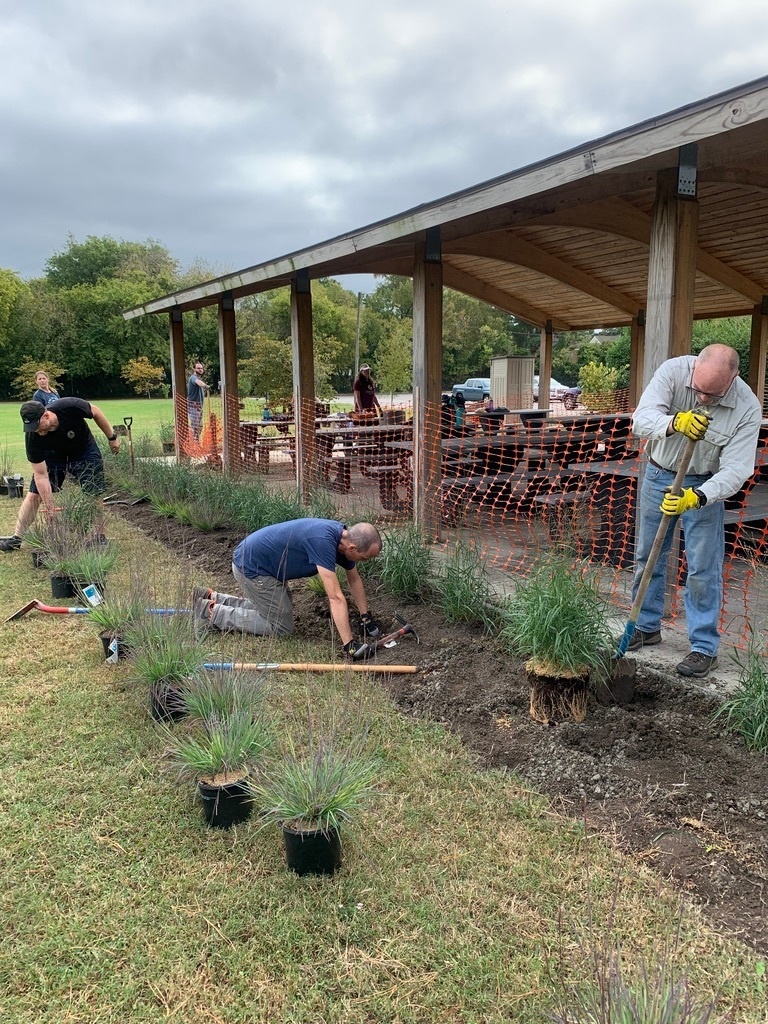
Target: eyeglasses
711,394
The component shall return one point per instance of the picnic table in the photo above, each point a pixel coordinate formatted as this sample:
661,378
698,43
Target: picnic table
341,447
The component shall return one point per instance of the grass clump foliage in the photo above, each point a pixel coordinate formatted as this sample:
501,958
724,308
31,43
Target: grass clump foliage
221,750
614,994
221,692
117,612
89,565
745,712
318,788
464,591
558,619
164,649
406,566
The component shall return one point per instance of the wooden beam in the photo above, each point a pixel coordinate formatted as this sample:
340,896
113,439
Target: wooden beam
427,382
758,345
230,447
623,220
510,248
461,281
303,383
671,276
178,380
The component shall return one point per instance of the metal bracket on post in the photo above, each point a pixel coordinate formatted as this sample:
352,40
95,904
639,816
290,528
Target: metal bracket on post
432,246
687,162
764,306
640,318
302,282
227,302
176,316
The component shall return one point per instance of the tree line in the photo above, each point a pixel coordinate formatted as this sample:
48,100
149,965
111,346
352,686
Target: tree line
69,322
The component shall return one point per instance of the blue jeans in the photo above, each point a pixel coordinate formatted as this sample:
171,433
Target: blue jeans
704,534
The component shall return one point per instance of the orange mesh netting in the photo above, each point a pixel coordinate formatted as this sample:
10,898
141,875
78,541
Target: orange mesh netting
517,486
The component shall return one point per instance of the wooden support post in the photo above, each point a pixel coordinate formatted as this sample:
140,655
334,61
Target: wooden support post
427,382
303,382
545,364
178,380
671,274
636,357
758,341
230,448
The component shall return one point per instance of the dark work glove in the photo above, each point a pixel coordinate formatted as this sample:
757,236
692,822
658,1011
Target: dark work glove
369,627
357,652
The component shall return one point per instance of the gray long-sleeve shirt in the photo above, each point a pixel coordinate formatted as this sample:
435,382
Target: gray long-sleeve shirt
728,449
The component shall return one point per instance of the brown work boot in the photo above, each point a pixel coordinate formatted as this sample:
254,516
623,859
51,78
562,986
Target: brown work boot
642,639
697,664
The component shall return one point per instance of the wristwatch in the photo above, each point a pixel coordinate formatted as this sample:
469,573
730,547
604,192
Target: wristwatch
113,438
701,496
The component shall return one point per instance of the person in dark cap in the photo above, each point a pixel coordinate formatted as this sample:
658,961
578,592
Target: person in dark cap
364,393
58,442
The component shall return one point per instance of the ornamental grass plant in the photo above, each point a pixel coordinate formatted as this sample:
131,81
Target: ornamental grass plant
464,591
558,619
117,612
221,749
164,649
745,711
216,693
406,566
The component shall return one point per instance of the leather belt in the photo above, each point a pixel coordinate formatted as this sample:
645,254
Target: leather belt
663,468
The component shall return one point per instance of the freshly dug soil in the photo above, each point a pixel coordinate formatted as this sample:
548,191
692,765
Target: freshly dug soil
654,776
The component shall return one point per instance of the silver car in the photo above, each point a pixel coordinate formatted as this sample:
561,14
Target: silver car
475,389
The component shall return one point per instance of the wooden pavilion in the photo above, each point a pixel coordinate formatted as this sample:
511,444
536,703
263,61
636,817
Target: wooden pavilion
650,227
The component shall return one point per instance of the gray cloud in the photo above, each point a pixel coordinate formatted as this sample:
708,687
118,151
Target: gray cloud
242,131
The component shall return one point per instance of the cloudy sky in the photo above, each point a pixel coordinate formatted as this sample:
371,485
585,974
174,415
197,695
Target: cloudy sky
239,131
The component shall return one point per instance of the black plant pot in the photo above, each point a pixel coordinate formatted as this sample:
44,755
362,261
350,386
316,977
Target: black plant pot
312,853
166,704
225,806
113,653
63,586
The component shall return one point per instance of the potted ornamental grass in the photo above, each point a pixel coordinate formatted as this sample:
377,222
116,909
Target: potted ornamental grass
168,437
220,692
558,621
312,794
165,655
218,756
114,615
72,572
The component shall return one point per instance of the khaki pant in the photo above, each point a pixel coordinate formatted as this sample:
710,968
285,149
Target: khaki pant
266,609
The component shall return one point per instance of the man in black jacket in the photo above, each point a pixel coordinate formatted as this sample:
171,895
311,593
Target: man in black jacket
59,441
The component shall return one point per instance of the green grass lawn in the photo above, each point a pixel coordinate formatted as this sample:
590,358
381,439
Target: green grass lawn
119,906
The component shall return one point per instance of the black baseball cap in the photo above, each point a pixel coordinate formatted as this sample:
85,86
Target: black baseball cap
30,414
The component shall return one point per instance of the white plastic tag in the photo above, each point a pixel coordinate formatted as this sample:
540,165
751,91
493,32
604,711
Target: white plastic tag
113,651
92,595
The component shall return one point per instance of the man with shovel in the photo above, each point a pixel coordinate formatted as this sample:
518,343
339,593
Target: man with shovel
264,562
59,442
699,398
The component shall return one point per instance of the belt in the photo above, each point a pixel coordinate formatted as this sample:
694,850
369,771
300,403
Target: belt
663,468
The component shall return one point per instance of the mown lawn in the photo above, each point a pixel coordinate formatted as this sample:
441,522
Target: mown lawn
119,906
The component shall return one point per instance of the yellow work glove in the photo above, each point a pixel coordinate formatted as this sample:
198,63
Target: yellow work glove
676,504
692,424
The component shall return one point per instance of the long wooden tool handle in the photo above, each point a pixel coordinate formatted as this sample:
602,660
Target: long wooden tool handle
247,666
653,557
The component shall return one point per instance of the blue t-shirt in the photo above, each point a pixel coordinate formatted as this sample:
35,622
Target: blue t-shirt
292,550
46,397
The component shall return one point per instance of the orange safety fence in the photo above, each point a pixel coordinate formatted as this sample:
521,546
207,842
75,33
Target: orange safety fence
519,486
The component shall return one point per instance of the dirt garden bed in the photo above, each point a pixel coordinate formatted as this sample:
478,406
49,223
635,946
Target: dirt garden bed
655,776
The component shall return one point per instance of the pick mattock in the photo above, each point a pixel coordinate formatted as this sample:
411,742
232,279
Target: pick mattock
367,649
